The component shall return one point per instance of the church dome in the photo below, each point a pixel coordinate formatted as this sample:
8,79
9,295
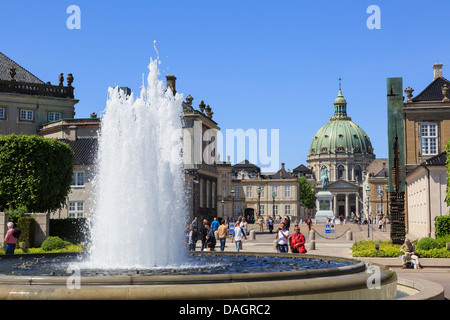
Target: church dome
340,134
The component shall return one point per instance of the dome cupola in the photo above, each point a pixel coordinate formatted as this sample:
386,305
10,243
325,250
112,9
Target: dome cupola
340,134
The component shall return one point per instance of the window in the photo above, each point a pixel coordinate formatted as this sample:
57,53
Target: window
379,209
76,209
261,209
237,209
78,178
236,192
287,210
26,115
428,134
224,192
341,172
287,191
358,175
379,190
249,192
262,192
275,210
54,116
275,191
224,175
2,113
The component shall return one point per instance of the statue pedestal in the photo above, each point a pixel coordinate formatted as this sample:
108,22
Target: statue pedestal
324,205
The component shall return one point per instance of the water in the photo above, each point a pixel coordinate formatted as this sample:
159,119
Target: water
139,206
197,264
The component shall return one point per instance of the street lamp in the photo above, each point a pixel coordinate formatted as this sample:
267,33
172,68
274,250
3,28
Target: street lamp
274,195
368,220
232,199
386,188
223,208
258,190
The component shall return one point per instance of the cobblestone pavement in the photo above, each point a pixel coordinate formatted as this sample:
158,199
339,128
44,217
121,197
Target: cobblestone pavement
339,245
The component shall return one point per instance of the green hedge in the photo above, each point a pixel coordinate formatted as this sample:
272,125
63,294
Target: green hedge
442,226
27,226
74,230
54,243
436,249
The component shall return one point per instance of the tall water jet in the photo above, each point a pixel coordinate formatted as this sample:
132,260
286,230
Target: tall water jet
139,206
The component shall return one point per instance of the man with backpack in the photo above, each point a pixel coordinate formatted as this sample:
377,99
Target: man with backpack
11,238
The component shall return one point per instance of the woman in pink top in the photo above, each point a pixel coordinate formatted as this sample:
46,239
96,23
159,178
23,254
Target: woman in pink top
10,239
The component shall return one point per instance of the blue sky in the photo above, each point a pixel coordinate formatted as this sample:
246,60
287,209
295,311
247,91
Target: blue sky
258,64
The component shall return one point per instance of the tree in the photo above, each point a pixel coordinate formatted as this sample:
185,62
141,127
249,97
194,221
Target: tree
35,173
307,195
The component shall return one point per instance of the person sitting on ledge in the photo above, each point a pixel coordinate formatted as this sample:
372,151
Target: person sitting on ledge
297,241
409,255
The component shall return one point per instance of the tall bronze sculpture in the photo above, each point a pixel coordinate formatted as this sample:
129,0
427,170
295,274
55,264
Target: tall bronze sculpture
396,159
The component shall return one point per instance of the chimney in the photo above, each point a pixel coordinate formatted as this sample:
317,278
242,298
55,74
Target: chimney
171,82
72,133
282,166
437,67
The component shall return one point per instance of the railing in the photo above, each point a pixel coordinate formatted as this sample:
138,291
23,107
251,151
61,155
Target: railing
36,89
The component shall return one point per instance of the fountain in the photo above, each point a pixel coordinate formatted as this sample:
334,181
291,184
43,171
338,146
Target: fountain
138,234
140,211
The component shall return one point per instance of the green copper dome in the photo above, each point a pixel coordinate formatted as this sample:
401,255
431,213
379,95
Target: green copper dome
341,134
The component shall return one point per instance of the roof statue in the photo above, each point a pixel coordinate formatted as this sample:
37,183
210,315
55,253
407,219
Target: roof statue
324,178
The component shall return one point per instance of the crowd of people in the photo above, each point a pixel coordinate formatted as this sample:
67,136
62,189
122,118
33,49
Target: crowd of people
237,231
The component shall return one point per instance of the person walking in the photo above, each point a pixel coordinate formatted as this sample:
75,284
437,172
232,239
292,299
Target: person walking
297,241
222,234
308,224
192,239
203,233
244,225
270,224
10,239
283,238
210,238
215,224
239,233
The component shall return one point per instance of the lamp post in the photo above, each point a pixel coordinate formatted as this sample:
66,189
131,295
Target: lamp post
274,195
223,208
258,190
368,220
382,209
386,188
232,201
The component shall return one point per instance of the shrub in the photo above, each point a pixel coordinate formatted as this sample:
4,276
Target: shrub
442,226
443,240
54,243
428,244
27,226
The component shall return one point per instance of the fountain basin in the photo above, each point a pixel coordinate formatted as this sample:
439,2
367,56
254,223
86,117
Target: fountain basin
342,283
